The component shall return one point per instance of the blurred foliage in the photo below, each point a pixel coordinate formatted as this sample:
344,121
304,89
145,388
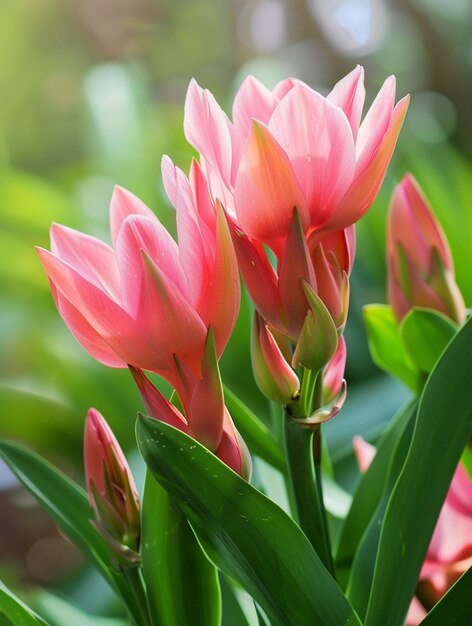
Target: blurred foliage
92,96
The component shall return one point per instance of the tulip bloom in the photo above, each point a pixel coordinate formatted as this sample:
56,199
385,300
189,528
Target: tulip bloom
420,267
112,493
147,300
291,147
449,553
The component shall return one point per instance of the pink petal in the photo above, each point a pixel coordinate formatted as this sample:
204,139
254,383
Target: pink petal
201,193
375,124
168,318
157,405
412,223
207,128
233,450
284,86
295,267
364,452
266,190
221,293
85,334
193,258
349,95
318,141
105,316
206,409
141,233
252,101
366,185
416,613
259,277
334,373
92,258
124,203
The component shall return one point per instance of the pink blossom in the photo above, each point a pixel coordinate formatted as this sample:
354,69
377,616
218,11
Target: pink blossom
291,147
146,299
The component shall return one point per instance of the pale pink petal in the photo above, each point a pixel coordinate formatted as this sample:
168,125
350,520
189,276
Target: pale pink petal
124,203
364,452
85,334
193,251
266,190
375,124
284,86
416,613
366,185
459,496
349,95
141,233
207,128
318,140
92,258
103,314
201,193
334,373
252,101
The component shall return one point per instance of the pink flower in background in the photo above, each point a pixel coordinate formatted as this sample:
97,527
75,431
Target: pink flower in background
420,267
291,147
146,300
112,493
449,553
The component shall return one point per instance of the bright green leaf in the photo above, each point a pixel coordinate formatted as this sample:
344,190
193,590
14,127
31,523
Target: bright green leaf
245,534
68,505
425,334
444,416
386,346
182,584
16,611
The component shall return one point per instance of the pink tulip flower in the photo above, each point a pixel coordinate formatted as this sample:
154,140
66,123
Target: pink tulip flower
449,553
112,493
291,147
420,267
147,300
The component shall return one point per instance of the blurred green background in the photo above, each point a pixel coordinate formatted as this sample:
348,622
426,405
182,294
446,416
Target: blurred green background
92,95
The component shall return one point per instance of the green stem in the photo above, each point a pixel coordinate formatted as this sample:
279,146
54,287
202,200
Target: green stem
303,449
139,610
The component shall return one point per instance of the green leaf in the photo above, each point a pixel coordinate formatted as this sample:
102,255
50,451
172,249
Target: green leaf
455,607
16,611
254,432
425,334
363,566
244,533
371,488
386,346
61,613
444,416
182,584
68,505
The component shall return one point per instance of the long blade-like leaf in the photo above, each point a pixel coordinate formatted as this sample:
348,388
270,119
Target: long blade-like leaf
247,536
454,608
443,426
182,584
16,611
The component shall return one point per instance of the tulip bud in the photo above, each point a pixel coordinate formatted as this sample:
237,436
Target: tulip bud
273,374
318,338
112,493
333,378
420,267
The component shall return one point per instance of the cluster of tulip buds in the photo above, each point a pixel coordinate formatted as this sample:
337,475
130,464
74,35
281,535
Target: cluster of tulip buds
112,493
